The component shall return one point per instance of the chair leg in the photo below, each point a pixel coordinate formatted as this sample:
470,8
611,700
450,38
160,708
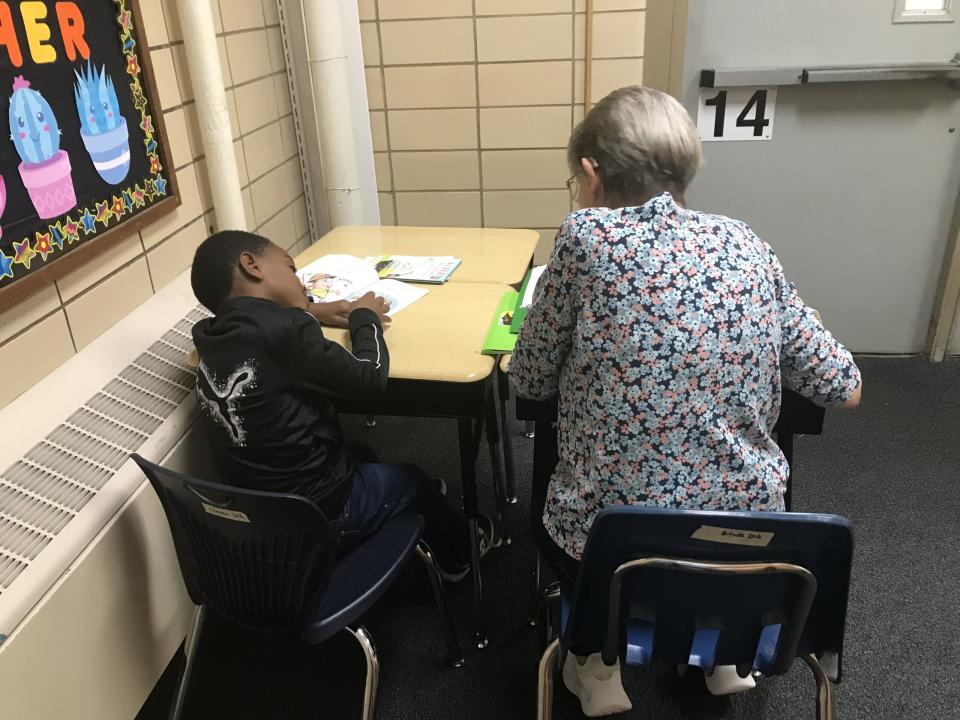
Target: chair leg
548,668
529,428
535,572
190,646
373,669
824,688
454,651
499,489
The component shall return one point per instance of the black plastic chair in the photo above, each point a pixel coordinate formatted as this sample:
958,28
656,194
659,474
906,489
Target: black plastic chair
265,561
686,587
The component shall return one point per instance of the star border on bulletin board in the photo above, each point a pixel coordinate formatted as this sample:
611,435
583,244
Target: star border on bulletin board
6,265
103,212
160,184
72,229
138,196
57,235
43,245
117,207
139,99
133,67
88,222
23,253
155,165
128,200
147,124
150,190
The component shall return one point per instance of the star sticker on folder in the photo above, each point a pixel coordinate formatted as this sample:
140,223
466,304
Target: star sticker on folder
6,265
103,212
89,222
43,246
23,253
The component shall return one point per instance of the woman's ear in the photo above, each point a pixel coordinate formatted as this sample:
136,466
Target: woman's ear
250,267
591,179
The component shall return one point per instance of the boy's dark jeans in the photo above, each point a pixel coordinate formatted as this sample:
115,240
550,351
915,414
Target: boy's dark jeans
381,491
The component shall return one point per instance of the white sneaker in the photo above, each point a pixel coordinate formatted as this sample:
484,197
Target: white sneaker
597,685
724,680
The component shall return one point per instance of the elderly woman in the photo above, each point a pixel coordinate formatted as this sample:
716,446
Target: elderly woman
668,334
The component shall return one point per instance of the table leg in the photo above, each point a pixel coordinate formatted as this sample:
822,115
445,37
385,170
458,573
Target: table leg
493,442
468,456
503,396
528,428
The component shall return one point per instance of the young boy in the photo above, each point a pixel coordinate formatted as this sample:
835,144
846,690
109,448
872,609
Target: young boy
268,382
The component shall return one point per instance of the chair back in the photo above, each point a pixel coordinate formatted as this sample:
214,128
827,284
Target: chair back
706,588
258,558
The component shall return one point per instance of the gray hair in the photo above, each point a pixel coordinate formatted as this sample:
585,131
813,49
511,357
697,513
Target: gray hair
643,142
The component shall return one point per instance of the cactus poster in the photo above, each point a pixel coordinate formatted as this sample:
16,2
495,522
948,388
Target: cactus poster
83,158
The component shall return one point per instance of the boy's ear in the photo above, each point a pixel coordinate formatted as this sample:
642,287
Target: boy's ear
250,266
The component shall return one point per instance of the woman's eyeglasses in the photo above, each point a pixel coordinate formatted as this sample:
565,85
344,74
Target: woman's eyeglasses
573,184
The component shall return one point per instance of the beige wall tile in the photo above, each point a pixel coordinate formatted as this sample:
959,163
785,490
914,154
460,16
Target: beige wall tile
294,179
217,15
189,210
524,169
248,207
608,75
518,7
433,129
232,111
381,163
224,62
168,92
579,75
387,216
249,55
183,72
175,254
288,136
278,62
27,312
602,5
367,9
533,83
92,271
427,41
374,83
525,208
271,15
281,91
102,307
545,37
426,87
193,129
378,130
579,36
260,149
203,185
405,9
178,138
256,104
172,19
154,25
439,209
618,34
578,113
371,43
35,354
457,170
270,194
279,229
243,15
545,246
301,223
534,127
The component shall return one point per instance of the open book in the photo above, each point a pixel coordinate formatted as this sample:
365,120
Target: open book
345,277
415,268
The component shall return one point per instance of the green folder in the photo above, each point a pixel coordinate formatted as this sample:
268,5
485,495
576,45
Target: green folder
520,312
500,339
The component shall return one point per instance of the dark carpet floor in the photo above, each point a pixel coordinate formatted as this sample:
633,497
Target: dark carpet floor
892,467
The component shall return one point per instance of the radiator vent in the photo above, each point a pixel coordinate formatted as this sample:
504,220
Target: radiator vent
45,489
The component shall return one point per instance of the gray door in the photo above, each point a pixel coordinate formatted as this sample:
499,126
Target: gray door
856,189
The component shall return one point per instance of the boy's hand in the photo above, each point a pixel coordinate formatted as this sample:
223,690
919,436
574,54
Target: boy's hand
369,301
333,314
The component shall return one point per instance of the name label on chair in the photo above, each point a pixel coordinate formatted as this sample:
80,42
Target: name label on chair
235,515
712,533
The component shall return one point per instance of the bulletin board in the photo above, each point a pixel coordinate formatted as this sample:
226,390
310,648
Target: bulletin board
84,160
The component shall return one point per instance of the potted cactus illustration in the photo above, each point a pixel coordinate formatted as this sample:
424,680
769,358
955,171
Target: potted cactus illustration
102,127
45,169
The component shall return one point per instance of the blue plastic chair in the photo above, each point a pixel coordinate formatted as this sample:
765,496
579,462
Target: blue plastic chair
686,587
265,561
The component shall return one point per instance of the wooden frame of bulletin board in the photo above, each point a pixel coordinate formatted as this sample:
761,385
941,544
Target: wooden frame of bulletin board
87,163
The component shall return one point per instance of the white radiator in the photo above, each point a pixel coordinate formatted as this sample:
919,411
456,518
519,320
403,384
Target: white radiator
92,605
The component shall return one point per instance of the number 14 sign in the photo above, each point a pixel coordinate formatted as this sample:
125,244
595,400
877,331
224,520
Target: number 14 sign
736,113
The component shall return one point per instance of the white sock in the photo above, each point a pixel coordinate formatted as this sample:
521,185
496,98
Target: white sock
597,685
724,680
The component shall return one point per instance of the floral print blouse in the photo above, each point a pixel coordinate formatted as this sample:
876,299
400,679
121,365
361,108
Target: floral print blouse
668,334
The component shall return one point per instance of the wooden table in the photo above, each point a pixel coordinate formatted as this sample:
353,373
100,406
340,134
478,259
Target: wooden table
437,370
489,255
